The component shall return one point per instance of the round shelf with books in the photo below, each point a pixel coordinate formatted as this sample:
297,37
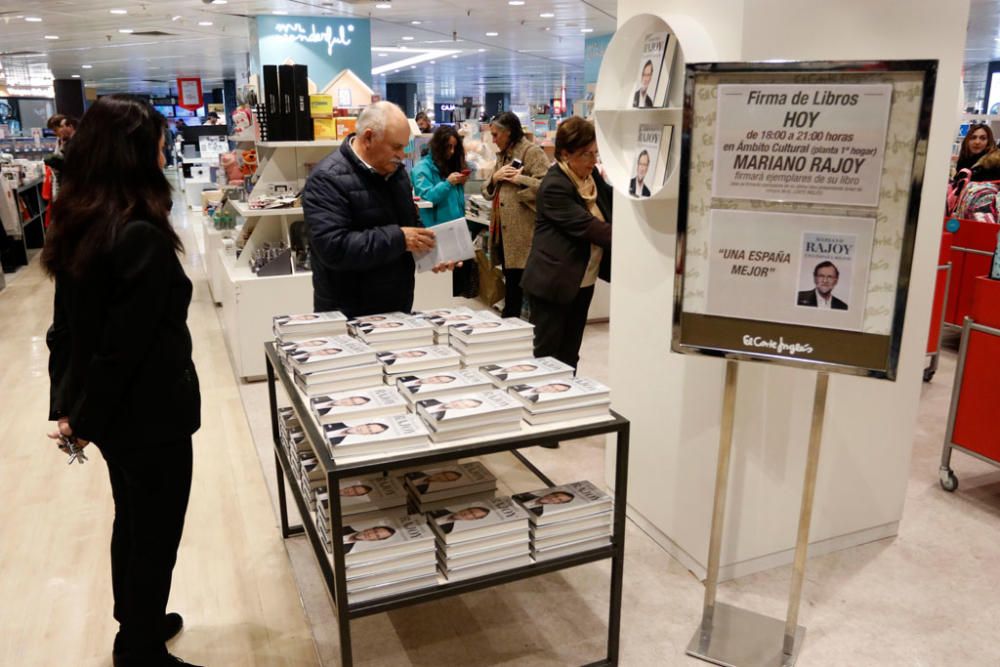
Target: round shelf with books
638,108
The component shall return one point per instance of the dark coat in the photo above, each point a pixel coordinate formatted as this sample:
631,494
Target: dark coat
647,101
809,298
119,348
360,263
564,232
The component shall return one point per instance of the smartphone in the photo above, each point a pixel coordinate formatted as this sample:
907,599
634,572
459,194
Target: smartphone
517,164
466,172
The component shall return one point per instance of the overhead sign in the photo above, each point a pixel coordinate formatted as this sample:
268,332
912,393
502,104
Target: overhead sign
189,94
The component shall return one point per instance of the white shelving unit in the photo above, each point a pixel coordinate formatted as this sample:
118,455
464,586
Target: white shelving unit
617,122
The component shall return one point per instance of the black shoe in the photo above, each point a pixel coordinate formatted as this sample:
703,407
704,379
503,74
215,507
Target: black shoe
162,660
172,624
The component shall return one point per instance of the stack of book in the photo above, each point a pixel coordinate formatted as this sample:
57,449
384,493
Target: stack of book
567,519
481,537
309,475
388,556
442,486
444,318
548,401
291,435
393,331
341,363
301,328
435,384
361,499
398,362
358,404
492,341
520,371
469,415
390,434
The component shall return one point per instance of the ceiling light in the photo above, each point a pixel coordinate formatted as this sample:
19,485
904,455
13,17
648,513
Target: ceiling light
75,76
119,11
547,15
454,56
219,2
492,34
382,55
434,62
415,22
383,5
204,23
86,67
175,18
280,12
515,3
413,67
51,36
33,19
126,31
407,38
481,50
586,30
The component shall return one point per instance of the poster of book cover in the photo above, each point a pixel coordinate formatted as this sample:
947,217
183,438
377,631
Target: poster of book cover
650,60
809,270
647,153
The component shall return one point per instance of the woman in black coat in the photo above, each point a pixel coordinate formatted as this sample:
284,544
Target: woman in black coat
572,244
120,355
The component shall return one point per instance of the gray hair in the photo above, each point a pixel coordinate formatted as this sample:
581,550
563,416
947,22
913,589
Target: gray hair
376,116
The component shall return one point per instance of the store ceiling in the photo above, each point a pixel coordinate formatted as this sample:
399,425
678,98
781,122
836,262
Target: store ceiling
531,57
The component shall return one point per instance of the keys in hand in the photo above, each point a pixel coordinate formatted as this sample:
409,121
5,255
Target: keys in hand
68,446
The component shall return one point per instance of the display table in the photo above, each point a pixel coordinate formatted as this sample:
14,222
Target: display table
972,419
333,567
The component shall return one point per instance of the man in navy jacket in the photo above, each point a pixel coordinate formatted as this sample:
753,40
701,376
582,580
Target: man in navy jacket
363,224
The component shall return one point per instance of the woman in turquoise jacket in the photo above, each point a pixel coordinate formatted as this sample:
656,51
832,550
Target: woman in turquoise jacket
446,156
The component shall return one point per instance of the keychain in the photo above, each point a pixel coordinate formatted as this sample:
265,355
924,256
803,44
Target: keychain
68,446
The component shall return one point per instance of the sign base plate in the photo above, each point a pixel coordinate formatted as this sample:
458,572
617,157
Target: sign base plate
741,638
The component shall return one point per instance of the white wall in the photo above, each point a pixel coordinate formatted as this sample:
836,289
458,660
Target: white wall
674,402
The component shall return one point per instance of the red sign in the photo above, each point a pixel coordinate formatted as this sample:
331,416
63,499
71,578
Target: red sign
189,94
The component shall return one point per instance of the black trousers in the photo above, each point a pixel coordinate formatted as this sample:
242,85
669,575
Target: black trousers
150,485
513,299
559,327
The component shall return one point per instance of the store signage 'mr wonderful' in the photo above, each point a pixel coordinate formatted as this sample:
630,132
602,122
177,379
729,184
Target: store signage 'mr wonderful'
296,32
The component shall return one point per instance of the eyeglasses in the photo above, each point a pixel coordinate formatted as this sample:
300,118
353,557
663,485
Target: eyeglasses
589,155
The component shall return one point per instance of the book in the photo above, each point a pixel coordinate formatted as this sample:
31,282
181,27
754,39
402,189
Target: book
286,102
662,97
488,567
564,392
527,369
423,507
381,539
482,555
573,526
464,522
645,163
660,177
523,346
332,322
301,111
486,407
453,243
474,547
401,563
367,581
396,588
540,544
477,360
272,104
409,360
601,409
449,481
311,386
561,503
570,548
367,370
341,351
507,328
373,402
650,61
375,435
393,329
372,492
438,383
444,318
476,431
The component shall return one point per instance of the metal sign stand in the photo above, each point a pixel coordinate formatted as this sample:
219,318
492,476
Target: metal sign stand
736,637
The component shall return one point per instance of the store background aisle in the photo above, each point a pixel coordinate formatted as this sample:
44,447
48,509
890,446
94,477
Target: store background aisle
232,583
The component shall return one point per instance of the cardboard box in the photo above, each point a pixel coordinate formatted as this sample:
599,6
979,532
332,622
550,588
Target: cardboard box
321,106
345,126
324,128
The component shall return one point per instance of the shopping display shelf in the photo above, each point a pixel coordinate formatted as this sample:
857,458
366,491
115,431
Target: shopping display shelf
318,143
333,568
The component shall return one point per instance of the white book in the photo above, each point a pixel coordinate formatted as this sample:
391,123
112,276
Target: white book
397,588
309,323
424,507
570,549
526,369
560,414
645,161
541,544
399,562
484,407
442,318
306,344
341,352
372,541
389,345
365,494
478,360
393,329
573,525
662,97
452,243
438,383
565,392
394,575
473,547
560,503
323,512
372,402
452,434
507,328
336,386
502,347
449,481
489,567
349,373
418,358
470,521
653,46
660,177
482,555
374,435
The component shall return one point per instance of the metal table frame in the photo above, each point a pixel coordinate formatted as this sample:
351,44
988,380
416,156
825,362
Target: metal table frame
334,573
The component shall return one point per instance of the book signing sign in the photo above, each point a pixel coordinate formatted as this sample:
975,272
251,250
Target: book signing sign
800,188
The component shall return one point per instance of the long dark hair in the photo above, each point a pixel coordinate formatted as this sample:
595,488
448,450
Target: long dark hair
439,150
509,121
965,153
111,176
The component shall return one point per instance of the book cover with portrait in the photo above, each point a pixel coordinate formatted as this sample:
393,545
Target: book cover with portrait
481,518
450,481
645,162
375,434
347,405
556,503
561,391
653,47
433,384
363,539
827,271
526,370
479,407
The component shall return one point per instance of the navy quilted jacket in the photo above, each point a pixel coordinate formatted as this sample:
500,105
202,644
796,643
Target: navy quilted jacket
359,259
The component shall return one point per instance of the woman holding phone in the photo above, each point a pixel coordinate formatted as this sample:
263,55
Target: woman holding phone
447,156
517,174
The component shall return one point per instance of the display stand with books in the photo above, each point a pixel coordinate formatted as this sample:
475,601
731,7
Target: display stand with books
462,560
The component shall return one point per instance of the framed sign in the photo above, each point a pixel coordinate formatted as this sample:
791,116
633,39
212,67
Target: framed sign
189,94
800,191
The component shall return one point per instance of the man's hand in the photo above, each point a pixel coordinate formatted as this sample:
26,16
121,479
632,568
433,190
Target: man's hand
418,239
446,266
66,430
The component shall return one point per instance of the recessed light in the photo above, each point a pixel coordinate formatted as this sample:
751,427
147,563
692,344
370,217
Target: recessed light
454,56
86,67
33,19
176,18
481,50
492,34
413,67
547,15
280,12
415,22
219,2
515,3
75,76
51,36
434,62
383,5
119,11
382,55
204,23
407,38
586,30
126,31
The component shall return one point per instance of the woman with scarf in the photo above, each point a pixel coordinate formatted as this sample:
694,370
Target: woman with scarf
517,174
572,246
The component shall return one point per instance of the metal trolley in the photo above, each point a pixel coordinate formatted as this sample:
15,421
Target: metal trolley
333,567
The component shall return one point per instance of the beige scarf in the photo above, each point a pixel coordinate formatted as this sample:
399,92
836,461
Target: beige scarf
587,189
